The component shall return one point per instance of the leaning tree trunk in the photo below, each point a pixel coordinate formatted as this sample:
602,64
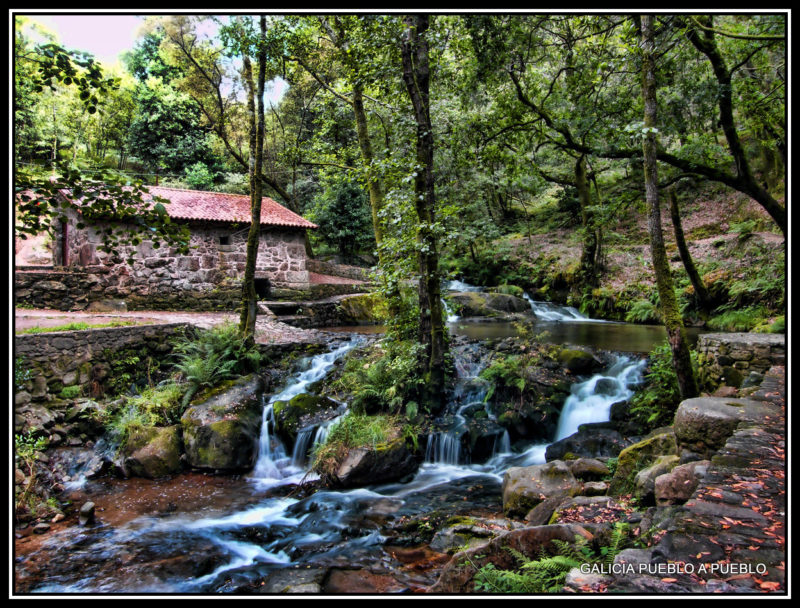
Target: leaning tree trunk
249,309
416,74
683,250
676,334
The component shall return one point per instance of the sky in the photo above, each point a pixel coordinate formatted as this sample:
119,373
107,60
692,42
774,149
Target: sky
107,36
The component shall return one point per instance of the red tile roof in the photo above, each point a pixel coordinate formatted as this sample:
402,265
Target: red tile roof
222,207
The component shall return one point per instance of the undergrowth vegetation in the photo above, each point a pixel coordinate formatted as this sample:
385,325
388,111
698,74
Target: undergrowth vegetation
547,573
654,405
203,361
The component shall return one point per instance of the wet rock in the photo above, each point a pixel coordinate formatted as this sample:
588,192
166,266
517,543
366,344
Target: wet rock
41,528
704,424
579,581
677,486
634,557
586,507
578,361
301,411
540,514
458,575
86,514
591,441
645,480
220,432
526,487
460,535
294,580
361,581
594,488
153,452
588,469
640,455
371,465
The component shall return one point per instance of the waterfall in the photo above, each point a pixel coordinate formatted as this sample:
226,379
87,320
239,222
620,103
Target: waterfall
547,311
301,445
271,453
591,401
461,286
451,317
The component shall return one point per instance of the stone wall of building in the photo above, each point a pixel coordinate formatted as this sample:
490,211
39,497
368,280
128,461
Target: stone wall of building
88,359
338,270
217,258
730,358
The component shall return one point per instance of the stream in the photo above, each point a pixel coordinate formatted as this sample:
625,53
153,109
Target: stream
203,534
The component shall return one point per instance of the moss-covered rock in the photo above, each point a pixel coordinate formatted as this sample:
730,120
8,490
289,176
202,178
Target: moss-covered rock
645,481
510,290
220,432
153,452
578,361
362,466
301,411
362,308
493,305
638,456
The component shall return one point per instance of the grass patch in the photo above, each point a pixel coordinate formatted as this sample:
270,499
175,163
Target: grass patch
75,326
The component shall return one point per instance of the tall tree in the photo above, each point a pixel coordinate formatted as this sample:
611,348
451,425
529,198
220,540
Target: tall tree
416,74
255,113
676,334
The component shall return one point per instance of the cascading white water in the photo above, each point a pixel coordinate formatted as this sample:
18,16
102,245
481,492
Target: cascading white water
451,317
461,286
271,462
591,401
547,311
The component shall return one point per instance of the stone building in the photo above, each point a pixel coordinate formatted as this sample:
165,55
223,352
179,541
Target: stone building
219,224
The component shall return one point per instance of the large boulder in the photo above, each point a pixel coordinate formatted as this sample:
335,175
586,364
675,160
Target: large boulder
153,452
704,424
526,487
220,431
640,455
364,466
479,304
590,441
677,486
579,361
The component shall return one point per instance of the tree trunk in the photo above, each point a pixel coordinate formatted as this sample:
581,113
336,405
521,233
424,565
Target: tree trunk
416,74
364,142
588,271
699,287
249,310
676,334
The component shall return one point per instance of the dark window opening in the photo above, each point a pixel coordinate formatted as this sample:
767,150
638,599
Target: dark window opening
262,288
225,240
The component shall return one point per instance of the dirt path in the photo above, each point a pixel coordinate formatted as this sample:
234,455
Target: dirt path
268,329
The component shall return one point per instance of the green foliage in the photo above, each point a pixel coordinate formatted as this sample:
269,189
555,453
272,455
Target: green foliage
547,573
22,373
199,177
214,355
654,405
75,326
70,392
388,382
343,215
127,420
733,319
27,445
504,373
643,311
353,431
162,405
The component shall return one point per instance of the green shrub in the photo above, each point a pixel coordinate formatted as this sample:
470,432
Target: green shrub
655,404
743,319
70,392
213,356
643,311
